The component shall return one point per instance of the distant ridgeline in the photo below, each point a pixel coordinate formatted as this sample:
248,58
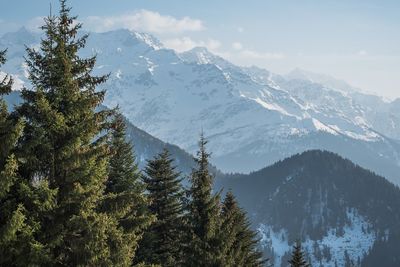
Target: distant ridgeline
343,213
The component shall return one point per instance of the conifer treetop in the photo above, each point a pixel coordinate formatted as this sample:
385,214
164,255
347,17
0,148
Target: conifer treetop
298,256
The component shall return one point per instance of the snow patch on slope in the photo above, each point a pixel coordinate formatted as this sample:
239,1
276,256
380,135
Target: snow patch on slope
319,126
275,240
271,106
356,240
149,40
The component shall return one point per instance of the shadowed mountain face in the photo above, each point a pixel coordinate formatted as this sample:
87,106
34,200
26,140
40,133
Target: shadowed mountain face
342,212
145,145
251,116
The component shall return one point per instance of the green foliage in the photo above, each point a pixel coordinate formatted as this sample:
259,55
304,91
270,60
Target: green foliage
6,82
239,241
298,257
21,203
125,199
71,193
203,215
162,243
64,143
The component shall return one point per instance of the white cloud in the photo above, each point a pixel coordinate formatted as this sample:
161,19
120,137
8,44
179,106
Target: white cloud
240,29
186,43
238,53
35,23
237,46
250,54
362,53
144,20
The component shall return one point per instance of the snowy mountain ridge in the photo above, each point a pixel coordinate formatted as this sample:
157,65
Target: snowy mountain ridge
251,116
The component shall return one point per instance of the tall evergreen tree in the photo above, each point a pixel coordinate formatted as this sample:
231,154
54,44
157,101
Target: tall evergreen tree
20,202
125,198
298,257
203,215
64,143
239,241
162,243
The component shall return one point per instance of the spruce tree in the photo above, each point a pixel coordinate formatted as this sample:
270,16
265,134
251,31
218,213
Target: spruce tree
239,241
125,198
203,215
298,256
162,243
21,203
64,143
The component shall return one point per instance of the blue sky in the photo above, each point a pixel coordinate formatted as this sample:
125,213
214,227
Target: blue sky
357,41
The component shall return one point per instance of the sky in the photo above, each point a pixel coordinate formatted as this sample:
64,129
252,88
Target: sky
356,41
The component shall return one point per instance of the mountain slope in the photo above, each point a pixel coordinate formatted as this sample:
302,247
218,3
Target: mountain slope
250,124
145,145
326,80
324,91
252,117
341,212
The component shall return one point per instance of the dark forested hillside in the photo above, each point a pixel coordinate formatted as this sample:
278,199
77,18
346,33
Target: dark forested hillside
341,211
147,146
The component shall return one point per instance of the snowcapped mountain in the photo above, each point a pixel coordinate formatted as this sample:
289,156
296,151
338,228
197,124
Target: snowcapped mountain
252,117
343,214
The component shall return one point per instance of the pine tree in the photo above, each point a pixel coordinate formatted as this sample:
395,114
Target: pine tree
298,257
229,246
6,82
125,197
203,215
18,225
239,240
162,244
64,143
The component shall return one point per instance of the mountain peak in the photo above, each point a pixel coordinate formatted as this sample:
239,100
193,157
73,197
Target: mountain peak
200,49
323,79
148,39
299,74
23,29
199,55
132,38
22,36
